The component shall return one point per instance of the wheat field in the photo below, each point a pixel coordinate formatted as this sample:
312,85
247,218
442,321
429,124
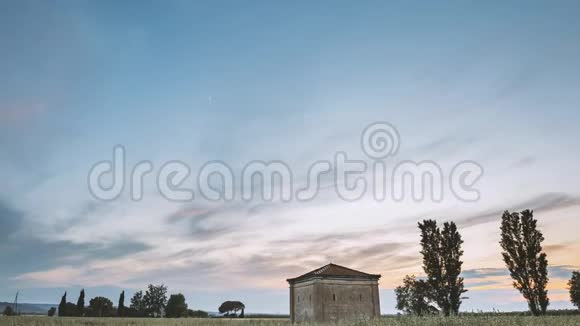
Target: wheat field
395,321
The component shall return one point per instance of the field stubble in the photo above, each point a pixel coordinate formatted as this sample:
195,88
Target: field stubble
395,321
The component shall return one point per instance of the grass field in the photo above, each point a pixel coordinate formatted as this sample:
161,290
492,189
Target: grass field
396,321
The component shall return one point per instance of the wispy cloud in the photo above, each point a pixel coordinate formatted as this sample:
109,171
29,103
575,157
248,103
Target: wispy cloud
525,162
542,203
499,278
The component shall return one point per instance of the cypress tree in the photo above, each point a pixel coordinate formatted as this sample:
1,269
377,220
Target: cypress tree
62,306
121,306
81,303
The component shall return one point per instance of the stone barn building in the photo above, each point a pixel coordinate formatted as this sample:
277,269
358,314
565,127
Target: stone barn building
332,293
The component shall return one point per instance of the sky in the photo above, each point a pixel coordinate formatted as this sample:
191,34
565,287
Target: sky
492,82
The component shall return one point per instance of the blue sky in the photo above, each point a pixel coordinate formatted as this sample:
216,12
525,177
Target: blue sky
495,82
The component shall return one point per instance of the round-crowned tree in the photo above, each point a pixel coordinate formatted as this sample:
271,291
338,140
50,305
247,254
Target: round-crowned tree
101,307
51,312
231,308
176,306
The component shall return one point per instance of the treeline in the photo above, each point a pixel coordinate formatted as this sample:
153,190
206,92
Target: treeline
152,303
441,291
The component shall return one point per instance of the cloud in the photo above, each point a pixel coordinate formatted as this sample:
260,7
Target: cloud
204,233
64,264
87,210
331,239
192,212
278,266
205,222
15,115
476,275
10,220
553,248
57,276
115,249
293,258
524,162
562,272
499,278
541,203
16,254
190,271
444,146
484,272
385,259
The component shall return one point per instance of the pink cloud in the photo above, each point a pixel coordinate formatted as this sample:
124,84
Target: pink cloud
58,276
19,114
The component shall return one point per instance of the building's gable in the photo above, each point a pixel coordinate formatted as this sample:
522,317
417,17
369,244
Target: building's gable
336,271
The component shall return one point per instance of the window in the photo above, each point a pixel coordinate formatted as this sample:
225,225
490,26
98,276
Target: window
360,297
310,298
298,298
333,297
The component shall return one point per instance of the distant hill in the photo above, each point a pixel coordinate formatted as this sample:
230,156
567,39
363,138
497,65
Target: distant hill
30,308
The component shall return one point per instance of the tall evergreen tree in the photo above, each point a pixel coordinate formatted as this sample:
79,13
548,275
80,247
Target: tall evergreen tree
121,305
81,303
62,306
442,263
521,242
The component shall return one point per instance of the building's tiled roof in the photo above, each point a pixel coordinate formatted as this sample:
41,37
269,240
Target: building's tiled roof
334,271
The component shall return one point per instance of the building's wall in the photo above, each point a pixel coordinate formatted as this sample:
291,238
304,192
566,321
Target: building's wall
342,299
302,307
335,299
